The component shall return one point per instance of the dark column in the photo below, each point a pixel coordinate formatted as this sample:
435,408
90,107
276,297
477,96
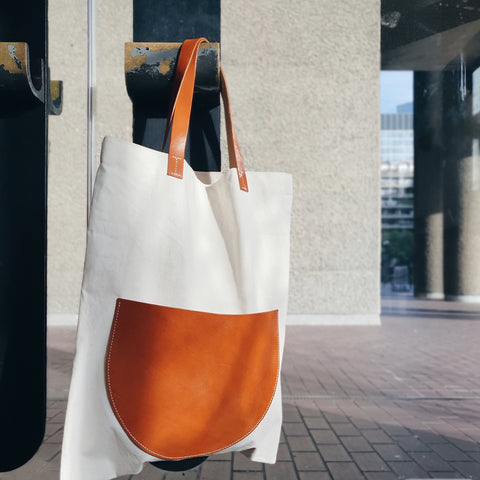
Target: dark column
462,187
23,248
428,184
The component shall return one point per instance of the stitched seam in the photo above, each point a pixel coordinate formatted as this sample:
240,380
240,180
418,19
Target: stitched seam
177,159
157,454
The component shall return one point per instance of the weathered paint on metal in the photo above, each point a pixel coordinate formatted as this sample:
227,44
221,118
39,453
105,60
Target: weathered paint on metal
149,70
55,99
13,56
17,89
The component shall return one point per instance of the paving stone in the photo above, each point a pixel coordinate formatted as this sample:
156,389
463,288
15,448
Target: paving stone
430,462
334,453
48,451
59,416
345,429
447,475
381,476
412,444
53,464
225,457
316,422
248,476
468,468
465,445
301,444
376,436
308,461
344,471
356,444
335,417
153,475
57,437
449,452
283,453
391,453
212,469
295,429
322,437
369,462
280,471
307,408
242,463
291,416
51,429
429,437
364,424
475,456
314,476
149,472
395,430
408,469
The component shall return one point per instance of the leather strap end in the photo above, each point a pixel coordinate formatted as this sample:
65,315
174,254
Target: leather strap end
242,178
175,166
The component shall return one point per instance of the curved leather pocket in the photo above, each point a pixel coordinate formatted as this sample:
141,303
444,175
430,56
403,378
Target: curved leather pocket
184,383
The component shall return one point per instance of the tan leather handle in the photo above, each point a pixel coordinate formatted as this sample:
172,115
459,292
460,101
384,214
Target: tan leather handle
188,53
179,118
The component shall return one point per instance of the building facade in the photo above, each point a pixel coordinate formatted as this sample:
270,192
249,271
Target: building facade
396,140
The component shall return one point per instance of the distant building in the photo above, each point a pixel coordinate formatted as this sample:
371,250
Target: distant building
397,170
405,108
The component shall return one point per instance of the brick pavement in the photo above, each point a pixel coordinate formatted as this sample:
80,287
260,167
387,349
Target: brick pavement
397,401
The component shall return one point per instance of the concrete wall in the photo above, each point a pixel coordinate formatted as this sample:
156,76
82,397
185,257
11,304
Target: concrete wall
67,198
304,81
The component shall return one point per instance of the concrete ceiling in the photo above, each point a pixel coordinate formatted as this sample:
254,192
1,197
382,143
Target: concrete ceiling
429,34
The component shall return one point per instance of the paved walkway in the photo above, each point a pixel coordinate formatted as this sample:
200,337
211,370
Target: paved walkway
398,401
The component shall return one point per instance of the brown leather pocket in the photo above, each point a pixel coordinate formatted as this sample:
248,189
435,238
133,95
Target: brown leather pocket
184,383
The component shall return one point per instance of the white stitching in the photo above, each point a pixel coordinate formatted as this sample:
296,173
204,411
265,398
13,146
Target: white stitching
159,455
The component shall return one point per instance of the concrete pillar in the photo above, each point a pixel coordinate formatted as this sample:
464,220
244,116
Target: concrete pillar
462,186
314,123
428,184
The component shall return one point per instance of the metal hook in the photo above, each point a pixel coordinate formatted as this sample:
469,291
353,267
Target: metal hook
19,90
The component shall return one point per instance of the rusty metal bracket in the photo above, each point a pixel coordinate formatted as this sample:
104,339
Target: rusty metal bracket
55,97
20,89
149,69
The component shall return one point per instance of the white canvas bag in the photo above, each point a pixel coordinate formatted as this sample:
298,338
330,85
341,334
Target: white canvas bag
198,246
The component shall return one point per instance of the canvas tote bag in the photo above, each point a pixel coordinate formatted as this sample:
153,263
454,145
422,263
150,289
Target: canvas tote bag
183,305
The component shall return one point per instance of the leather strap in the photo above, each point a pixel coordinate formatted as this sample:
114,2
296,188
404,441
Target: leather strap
188,53
182,106
180,111
234,155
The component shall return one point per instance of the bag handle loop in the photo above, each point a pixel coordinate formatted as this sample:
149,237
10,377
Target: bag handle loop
180,110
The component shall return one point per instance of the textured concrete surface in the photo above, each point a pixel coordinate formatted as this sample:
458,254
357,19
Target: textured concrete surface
68,133
67,155
391,402
304,82
305,92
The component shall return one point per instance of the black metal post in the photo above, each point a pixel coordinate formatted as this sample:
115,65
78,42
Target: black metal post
174,21
23,215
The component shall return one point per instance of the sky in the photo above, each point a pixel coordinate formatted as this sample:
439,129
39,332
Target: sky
396,87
